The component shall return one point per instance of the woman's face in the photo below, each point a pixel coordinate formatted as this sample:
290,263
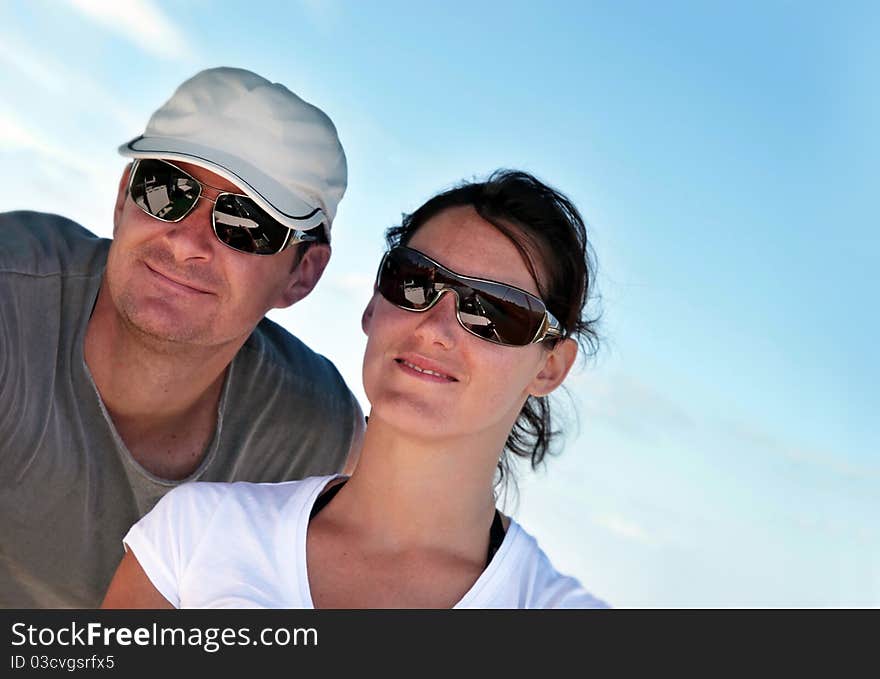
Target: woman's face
481,386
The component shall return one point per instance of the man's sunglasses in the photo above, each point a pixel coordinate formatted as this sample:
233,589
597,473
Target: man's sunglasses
169,194
492,311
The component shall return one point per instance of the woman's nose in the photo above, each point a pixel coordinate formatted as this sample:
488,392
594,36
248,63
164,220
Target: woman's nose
438,324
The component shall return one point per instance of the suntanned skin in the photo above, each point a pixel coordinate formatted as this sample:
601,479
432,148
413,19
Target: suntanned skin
159,353
131,588
410,528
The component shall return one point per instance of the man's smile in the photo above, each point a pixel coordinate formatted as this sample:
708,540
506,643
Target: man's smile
176,283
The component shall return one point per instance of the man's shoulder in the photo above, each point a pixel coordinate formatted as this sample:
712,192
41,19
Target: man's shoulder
287,411
271,349
43,244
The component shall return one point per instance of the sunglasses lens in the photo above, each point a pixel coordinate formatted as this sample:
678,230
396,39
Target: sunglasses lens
242,225
499,313
493,311
162,191
407,280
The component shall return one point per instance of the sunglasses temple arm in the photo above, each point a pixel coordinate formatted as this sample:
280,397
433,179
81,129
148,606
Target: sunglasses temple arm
302,236
297,236
552,327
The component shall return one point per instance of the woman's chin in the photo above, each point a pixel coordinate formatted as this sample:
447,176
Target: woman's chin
413,415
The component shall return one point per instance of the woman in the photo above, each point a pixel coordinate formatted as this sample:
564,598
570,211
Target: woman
456,382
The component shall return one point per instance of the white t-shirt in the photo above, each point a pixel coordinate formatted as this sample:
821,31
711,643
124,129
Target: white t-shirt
243,545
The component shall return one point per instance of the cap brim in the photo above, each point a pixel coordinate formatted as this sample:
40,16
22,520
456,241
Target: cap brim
279,201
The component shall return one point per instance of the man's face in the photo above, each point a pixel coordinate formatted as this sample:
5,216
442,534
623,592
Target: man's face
176,282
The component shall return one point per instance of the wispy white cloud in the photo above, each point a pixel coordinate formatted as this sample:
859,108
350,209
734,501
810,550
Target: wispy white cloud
56,79
641,412
142,23
624,527
829,462
51,177
16,135
633,407
37,71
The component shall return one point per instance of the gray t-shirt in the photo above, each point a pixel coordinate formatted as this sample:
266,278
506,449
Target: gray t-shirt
69,488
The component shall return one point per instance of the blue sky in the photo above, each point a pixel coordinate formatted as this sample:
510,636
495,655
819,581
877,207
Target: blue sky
725,159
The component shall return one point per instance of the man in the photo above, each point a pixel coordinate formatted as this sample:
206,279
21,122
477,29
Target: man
132,365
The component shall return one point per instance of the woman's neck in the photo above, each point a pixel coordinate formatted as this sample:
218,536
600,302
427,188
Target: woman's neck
414,492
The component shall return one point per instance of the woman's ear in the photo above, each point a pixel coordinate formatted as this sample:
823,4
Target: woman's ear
121,195
557,363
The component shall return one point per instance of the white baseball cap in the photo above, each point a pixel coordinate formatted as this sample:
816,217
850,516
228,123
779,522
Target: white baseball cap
278,149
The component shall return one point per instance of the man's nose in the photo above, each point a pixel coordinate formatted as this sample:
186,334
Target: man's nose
193,236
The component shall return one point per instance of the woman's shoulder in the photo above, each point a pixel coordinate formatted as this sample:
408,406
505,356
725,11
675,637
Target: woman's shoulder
542,585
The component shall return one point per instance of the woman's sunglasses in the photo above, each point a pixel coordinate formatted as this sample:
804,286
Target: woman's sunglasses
169,194
492,311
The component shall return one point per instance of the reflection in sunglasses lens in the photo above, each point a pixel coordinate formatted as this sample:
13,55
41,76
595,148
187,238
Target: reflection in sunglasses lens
160,191
242,225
